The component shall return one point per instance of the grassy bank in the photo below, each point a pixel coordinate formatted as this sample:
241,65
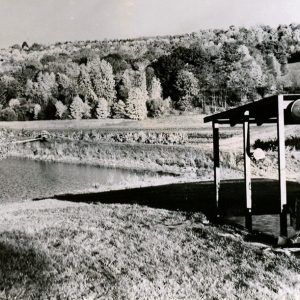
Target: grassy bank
164,154
52,249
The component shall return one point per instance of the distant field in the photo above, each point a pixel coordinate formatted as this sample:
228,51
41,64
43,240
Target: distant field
165,122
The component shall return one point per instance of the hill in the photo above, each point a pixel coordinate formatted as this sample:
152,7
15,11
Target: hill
202,71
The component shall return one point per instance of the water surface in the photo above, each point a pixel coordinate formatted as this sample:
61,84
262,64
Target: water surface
22,179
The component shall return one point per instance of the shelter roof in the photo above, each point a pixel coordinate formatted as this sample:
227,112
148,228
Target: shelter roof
261,111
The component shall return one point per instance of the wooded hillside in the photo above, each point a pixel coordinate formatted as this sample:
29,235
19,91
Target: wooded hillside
136,78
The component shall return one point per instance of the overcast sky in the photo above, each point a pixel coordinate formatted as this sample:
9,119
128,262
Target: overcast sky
46,21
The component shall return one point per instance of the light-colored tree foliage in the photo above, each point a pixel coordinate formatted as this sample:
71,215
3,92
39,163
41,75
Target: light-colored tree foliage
102,109
77,108
136,104
102,79
61,109
85,85
155,89
44,88
14,103
86,114
36,110
119,110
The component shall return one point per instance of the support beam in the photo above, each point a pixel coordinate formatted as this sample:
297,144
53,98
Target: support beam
217,177
247,171
281,167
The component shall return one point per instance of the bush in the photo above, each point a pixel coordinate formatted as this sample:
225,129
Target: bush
8,114
157,107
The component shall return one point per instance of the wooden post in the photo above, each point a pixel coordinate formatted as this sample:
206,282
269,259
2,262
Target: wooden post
216,165
281,167
247,171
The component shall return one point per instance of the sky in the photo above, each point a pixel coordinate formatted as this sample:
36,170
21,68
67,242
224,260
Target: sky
48,21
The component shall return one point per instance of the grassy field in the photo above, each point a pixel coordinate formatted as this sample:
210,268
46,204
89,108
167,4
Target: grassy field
60,250
63,250
182,121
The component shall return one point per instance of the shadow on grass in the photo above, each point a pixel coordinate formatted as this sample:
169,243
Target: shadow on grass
197,196
25,271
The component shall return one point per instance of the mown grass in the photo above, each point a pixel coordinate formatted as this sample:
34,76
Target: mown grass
78,251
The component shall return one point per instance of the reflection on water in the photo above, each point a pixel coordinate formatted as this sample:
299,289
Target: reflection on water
22,179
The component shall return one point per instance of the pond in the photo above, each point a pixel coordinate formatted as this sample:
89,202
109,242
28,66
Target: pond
22,179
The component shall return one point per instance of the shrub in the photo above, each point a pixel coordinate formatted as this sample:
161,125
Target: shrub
8,114
157,107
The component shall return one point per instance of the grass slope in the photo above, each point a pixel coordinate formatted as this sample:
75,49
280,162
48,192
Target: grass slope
52,249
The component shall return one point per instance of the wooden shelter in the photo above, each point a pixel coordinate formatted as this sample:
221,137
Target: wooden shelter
281,110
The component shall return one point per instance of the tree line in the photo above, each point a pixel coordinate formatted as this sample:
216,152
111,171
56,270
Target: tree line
135,78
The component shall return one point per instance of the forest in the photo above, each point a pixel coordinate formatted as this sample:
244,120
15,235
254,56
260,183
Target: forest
205,71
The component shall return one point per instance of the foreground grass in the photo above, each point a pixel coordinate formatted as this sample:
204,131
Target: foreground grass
52,249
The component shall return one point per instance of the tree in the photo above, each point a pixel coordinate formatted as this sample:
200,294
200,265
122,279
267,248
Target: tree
102,79
118,63
10,88
84,83
66,89
123,86
166,69
8,114
14,103
187,87
77,108
102,109
136,104
61,109
119,110
86,114
36,110
247,76
155,89
43,89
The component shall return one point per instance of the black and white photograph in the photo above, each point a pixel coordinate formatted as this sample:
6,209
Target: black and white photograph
150,149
